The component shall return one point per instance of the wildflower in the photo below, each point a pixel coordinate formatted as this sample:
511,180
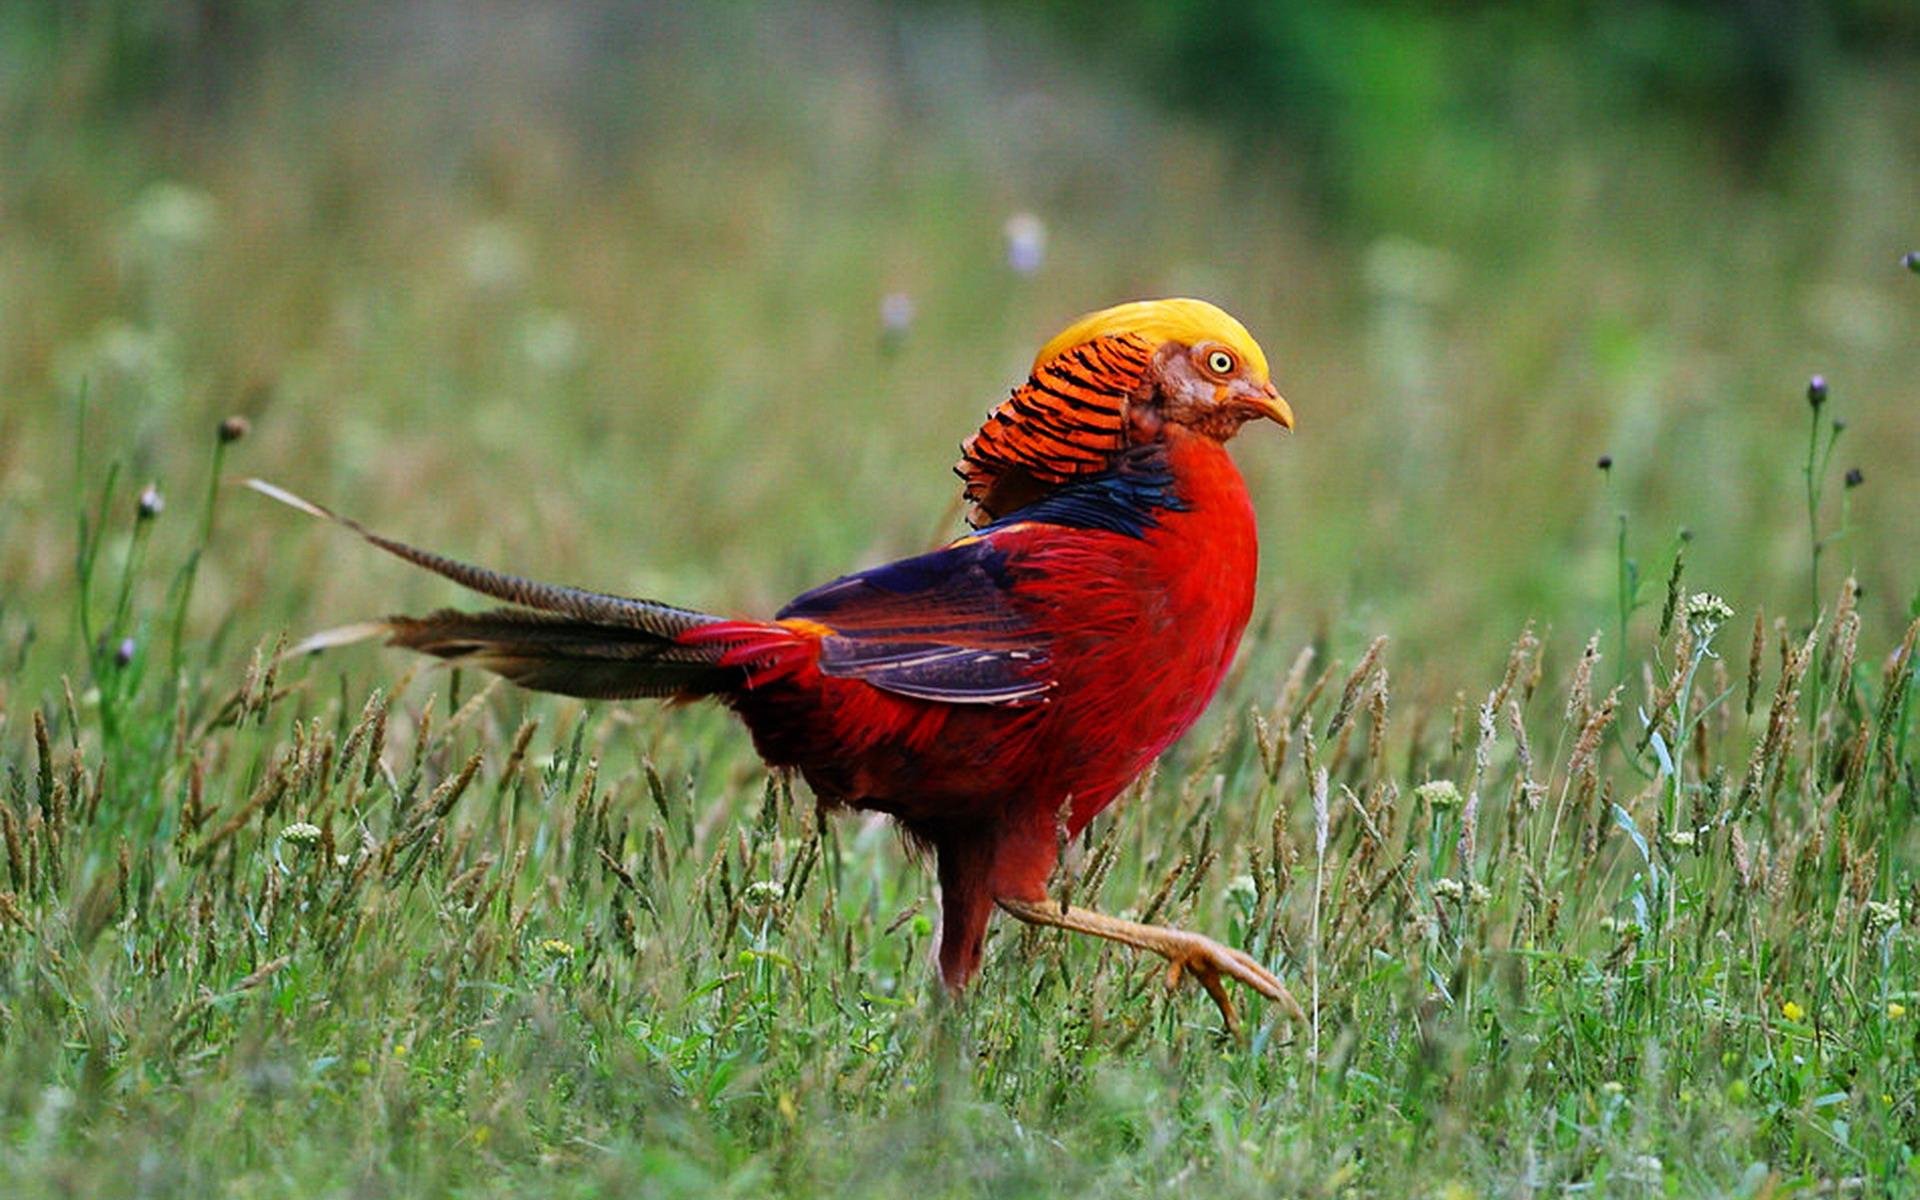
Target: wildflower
303,835
555,948
1448,889
1625,928
1242,891
173,216
1706,613
1613,1087
123,654
1026,238
1439,794
1793,1012
1817,391
550,341
1880,916
896,315
1478,893
1605,463
1911,261
1896,1010
233,429
1855,477
496,257
476,1044
151,502
761,893
1682,838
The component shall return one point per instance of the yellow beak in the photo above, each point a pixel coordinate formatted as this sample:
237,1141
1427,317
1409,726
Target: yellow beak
1271,405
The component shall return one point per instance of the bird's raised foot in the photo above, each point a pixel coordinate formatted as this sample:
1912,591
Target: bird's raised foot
1186,953
1207,960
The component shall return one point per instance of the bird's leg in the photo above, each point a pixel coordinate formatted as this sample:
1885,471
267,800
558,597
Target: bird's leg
1186,953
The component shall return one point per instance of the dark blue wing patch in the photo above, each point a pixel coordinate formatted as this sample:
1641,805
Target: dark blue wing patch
1126,498
940,626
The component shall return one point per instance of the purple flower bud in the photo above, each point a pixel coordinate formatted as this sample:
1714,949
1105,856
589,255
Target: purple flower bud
1026,238
1817,390
1855,477
896,314
1911,261
123,654
151,502
1605,463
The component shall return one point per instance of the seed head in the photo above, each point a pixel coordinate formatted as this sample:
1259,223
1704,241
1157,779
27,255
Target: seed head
1817,391
233,429
151,502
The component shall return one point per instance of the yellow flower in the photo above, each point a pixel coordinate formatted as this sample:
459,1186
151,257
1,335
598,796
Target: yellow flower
1793,1012
1896,1010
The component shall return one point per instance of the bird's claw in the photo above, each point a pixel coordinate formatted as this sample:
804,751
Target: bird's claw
1207,960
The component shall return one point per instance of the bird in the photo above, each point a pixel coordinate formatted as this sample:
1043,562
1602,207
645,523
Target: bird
991,696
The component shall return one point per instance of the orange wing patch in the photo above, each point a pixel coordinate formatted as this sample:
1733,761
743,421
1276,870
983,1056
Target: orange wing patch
1066,421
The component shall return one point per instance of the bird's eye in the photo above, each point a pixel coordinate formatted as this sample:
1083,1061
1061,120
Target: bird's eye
1220,362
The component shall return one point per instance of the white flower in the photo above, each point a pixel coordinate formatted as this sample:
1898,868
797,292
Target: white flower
1705,613
303,834
1439,794
1682,838
1448,889
1880,916
761,893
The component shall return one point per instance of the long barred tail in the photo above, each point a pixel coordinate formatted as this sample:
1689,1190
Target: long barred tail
554,638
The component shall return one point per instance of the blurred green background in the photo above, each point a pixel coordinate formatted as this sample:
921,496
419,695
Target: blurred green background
596,291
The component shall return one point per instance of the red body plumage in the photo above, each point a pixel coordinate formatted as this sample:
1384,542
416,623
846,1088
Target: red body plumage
1140,631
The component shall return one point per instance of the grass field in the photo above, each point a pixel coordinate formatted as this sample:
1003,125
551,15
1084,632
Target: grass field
1630,921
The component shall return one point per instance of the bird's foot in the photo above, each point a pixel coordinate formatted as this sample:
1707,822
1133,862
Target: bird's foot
1186,953
1207,961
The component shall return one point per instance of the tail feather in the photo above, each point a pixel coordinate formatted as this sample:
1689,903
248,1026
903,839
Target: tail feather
664,620
560,639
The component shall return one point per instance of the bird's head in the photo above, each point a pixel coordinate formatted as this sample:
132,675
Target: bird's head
1204,370
1124,376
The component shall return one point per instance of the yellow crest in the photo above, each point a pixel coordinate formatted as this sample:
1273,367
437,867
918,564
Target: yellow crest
1179,320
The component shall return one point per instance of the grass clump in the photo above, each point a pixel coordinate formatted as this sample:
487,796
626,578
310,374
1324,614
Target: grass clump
259,929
